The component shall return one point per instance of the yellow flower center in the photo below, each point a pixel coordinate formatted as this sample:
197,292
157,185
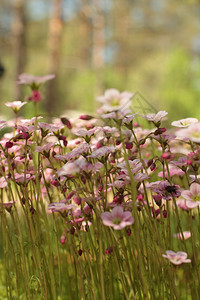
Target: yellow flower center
115,102
117,221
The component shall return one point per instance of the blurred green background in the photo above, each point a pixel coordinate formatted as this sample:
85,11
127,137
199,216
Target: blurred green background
146,46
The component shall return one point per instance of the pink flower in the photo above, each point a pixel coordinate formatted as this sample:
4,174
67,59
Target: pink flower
116,115
182,161
186,235
76,152
61,206
3,183
107,130
72,167
103,151
141,176
181,204
31,79
118,219
177,258
44,126
84,132
68,169
192,196
45,148
128,119
15,105
192,133
173,171
113,100
156,117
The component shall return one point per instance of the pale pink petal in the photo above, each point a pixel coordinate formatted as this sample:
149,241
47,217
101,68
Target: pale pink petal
187,195
192,204
195,188
117,212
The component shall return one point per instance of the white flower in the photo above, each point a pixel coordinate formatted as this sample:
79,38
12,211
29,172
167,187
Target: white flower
113,100
15,105
184,122
156,117
192,132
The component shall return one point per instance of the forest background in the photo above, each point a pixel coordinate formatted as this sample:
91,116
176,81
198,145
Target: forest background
148,47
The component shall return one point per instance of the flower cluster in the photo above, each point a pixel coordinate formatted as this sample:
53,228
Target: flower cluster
105,177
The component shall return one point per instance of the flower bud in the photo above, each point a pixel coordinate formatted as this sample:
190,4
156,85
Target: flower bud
164,214
85,117
9,144
80,252
140,197
118,142
72,230
153,167
63,239
149,163
70,195
36,96
128,231
109,250
166,155
159,131
66,122
129,145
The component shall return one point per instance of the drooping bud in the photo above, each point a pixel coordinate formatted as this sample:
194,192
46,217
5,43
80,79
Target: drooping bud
109,250
72,230
128,231
158,199
66,122
85,117
166,155
80,252
159,131
153,167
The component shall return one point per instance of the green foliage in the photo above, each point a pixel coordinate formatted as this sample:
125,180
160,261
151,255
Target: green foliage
179,88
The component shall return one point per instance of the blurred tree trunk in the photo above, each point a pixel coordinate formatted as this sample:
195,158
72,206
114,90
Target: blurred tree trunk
18,30
98,43
55,32
85,16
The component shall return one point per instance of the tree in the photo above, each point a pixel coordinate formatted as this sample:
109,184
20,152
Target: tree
55,33
18,29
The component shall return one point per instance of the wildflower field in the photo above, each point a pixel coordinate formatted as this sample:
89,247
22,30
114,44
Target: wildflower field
99,207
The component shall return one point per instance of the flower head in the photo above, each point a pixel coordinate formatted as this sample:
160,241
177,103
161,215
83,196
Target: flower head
156,117
118,219
184,122
15,105
176,258
113,100
185,234
103,151
192,196
166,190
34,80
192,132
3,183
